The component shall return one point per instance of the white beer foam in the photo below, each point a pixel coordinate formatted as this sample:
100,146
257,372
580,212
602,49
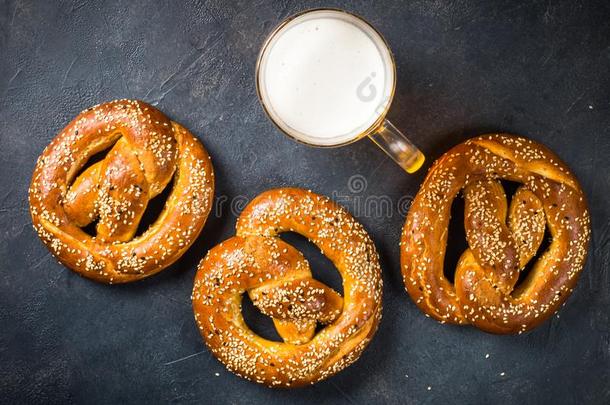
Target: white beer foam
325,77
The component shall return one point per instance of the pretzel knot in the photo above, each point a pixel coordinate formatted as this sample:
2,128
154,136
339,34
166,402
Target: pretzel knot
145,152
502,239
278,280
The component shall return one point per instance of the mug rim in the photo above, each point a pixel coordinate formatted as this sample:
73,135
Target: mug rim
374,126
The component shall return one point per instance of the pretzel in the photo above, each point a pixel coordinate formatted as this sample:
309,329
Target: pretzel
484,293
278,279
146,150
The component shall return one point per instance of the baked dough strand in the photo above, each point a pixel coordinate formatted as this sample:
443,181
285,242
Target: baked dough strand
502,239
279,281
146,151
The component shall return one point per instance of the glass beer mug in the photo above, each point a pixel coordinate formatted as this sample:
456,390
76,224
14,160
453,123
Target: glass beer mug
326,78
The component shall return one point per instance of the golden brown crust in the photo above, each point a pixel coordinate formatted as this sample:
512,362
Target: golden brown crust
484,293
278,279
147,151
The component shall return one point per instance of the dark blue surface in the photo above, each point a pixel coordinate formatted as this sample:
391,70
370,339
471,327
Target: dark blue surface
535,68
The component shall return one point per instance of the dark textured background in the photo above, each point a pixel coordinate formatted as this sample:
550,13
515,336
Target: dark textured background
536,68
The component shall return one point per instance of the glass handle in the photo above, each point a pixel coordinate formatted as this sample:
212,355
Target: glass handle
398,147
